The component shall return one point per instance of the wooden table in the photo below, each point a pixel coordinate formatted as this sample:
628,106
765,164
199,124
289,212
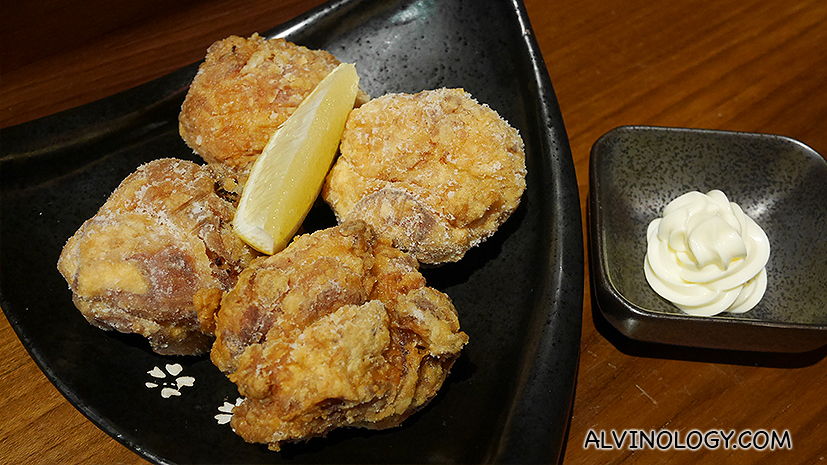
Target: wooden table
748,65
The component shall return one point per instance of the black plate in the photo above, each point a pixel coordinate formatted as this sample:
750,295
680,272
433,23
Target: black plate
519,295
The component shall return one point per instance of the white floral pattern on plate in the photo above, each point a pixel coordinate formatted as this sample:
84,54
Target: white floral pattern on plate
169,387
227,411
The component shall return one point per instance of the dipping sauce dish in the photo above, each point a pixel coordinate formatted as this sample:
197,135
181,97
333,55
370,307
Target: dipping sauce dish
635,171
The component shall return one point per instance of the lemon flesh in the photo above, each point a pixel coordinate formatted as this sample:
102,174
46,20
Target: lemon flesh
288,175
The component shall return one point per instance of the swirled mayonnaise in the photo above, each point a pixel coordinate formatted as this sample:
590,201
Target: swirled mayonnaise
706,256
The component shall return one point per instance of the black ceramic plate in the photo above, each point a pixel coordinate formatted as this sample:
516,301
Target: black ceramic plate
519,295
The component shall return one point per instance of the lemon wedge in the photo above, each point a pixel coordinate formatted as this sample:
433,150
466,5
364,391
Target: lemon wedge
287,177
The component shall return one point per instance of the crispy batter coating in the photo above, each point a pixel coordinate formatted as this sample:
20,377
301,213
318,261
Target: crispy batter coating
245,89
436,172
160,246
337,330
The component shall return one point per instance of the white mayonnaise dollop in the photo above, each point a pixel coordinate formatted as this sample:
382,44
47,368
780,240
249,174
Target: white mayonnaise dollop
706,256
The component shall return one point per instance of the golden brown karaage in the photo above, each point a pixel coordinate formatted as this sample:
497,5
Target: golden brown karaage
245,89
161,246
339,329
436,172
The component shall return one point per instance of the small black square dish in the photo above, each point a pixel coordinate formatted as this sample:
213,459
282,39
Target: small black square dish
635,171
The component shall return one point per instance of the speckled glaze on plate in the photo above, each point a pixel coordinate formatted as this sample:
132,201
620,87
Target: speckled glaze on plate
519,294
779,182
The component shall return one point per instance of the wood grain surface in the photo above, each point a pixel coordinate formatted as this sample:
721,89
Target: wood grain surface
746,65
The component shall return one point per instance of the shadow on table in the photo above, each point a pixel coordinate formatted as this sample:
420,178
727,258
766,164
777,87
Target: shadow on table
673,352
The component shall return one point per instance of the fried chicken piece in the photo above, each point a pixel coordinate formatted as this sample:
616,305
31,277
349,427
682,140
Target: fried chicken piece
230,181
245,89
336,330
161,246
436,172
